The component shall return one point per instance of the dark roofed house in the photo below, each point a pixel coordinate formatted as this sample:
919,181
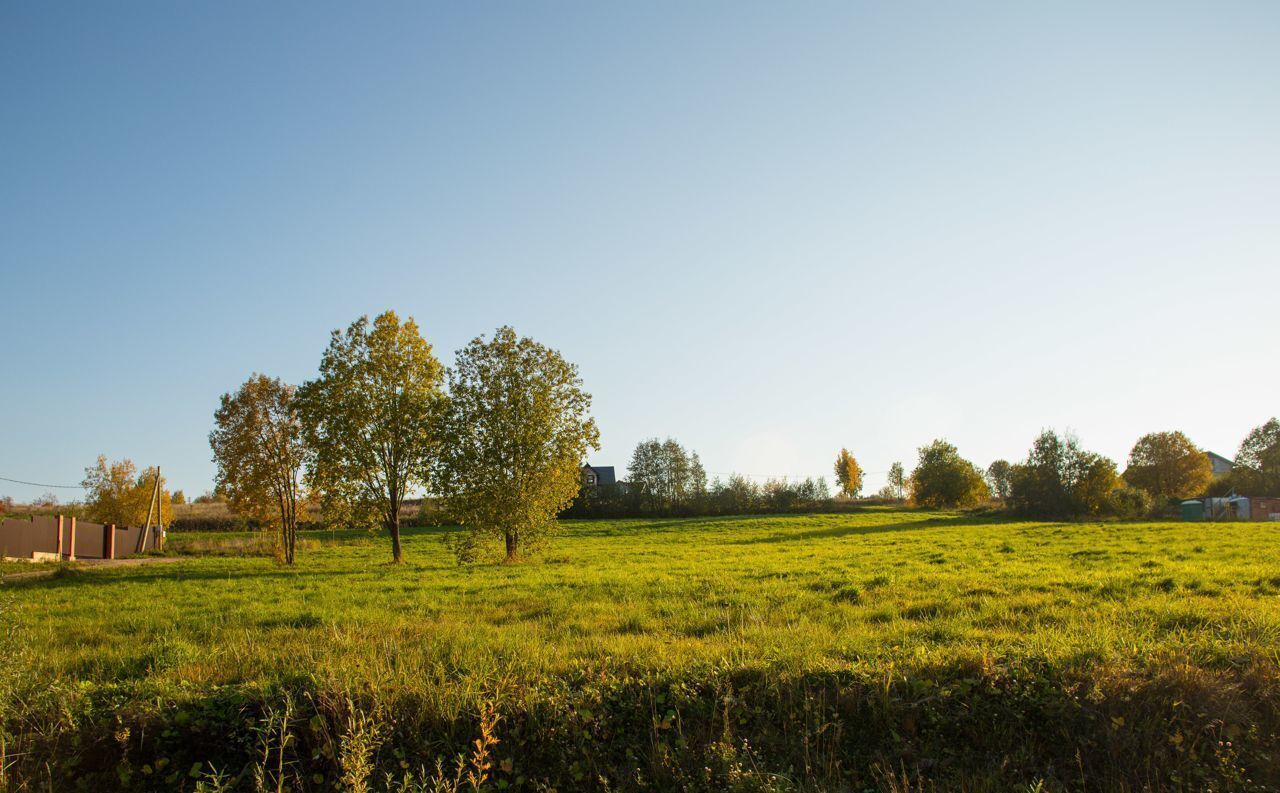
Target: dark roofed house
598,475
1221,465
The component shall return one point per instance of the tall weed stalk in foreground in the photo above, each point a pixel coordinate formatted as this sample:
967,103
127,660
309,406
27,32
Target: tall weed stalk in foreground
273,734
469,773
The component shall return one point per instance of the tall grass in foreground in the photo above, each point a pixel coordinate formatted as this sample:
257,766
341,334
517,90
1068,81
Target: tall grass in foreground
886,650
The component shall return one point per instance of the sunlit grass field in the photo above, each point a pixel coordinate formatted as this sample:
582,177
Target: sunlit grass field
877,595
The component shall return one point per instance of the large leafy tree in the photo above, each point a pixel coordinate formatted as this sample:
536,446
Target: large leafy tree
1168,465
1257,465
119,494
848,474
1060,479
368,421
942,478
258,445
514,435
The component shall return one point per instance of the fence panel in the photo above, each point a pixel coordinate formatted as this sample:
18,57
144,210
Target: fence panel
21,538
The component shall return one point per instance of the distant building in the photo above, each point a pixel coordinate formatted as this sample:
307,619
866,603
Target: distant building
1257,508
1221,465
593,475
1265,508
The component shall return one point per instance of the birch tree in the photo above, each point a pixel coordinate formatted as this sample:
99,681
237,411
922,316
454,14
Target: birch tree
848,474
898,480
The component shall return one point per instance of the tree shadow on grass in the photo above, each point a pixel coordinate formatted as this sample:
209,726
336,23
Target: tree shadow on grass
625,527
862,529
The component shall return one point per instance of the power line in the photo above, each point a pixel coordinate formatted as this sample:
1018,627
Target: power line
782,476
38,484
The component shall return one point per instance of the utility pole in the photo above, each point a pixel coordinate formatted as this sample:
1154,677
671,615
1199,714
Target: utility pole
153,510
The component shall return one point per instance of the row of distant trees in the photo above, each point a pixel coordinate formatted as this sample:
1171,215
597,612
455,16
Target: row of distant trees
1061,479
498,438
666,479
1058,478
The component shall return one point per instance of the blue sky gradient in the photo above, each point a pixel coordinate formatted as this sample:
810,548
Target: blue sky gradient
766,230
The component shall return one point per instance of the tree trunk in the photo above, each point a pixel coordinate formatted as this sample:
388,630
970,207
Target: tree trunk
393,525
513,546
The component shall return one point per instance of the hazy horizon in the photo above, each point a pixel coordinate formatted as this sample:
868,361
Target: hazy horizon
768,232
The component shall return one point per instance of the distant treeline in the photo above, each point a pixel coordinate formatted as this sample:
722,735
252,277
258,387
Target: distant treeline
666,480
737,495
1058,479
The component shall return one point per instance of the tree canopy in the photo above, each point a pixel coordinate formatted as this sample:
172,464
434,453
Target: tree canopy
848,474
1168,465
1256,471
999,477
258,445
943,479
514,434
1060,479
118,494
368,421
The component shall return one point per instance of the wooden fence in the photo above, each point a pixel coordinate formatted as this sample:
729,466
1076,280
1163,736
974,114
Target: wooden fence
63,537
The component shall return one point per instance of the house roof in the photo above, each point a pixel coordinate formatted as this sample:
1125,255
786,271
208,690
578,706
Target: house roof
1213,456
604,474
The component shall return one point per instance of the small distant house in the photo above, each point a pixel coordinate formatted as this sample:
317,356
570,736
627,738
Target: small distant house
594,475
1221,465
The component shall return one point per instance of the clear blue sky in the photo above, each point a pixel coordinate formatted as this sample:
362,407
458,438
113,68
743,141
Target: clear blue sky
768,230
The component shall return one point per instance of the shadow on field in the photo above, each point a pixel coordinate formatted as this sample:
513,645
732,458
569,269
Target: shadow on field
853,530
621,527
79,579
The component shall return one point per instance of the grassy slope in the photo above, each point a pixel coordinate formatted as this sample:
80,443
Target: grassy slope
776,597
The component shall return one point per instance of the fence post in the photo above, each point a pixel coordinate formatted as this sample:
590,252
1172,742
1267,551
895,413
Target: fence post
72,550
109,541
58,543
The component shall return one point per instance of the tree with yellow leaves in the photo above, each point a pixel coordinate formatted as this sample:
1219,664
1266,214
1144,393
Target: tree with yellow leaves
118,494
848,474
258,446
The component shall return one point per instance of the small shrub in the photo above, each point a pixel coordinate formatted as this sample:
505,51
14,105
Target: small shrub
1130,503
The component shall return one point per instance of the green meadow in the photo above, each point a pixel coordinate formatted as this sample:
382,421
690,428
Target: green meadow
875,650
